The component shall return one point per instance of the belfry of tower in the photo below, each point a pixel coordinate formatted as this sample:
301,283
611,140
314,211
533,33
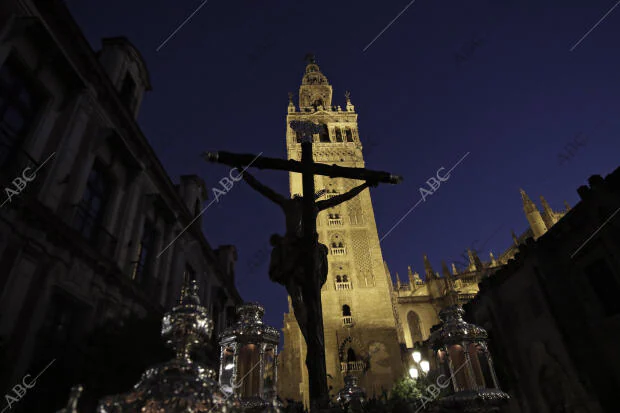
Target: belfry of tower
359,316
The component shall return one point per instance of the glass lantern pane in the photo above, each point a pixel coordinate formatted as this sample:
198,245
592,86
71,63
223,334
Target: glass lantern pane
457,358
483,358
228,368
248,373
475,365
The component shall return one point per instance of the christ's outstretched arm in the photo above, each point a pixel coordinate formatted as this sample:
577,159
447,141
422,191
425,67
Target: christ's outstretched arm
263,189
332,202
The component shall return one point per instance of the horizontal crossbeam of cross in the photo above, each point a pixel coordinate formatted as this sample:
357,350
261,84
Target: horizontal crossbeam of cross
333,171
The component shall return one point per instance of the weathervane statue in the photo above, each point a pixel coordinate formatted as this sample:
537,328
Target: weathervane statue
298,260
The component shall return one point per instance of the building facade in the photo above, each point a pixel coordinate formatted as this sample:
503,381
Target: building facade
358,314
420,300
91,228
553,311
369,320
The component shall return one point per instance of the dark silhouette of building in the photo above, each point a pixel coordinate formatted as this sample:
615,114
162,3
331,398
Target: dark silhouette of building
553,312
88,207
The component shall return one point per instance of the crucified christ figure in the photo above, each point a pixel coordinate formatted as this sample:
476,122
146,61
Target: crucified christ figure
286,266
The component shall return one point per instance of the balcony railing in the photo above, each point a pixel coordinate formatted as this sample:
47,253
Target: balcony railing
346,367
466,297
334,221
347,320
343,285
328,196
338,251
473,279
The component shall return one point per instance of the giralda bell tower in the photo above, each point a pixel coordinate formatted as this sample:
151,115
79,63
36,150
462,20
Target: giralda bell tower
358,313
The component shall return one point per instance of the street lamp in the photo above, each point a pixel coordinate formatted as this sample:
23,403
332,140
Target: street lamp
425,365
420,364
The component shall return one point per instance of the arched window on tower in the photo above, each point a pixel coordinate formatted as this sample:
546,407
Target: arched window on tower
338,135
338,279
413,321
346,311
349,135
351,357
345,279
337,246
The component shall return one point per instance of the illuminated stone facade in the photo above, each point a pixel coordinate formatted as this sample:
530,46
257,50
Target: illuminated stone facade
359,318
368,319
420,300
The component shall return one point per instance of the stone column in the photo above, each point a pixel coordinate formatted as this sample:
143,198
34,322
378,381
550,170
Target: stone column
132,252
59,167
158,245
167,262
80,177
129,223
176,272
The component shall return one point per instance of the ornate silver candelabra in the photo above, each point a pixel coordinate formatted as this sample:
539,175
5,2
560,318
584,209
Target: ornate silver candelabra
179,385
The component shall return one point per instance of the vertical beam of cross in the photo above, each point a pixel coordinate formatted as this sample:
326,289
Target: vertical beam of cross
315,360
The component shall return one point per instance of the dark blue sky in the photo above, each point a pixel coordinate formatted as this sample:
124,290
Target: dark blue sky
519,97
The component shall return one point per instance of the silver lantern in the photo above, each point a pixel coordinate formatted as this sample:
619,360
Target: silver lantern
466,365
179,385
248,368
351,397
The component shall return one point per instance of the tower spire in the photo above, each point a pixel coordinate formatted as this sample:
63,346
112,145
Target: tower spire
548,214
291,104
444,269
349,106
428,269
412,278
535,219
493,260
474,261
527,202
315,91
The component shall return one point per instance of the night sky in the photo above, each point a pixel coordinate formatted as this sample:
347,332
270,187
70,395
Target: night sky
513,100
